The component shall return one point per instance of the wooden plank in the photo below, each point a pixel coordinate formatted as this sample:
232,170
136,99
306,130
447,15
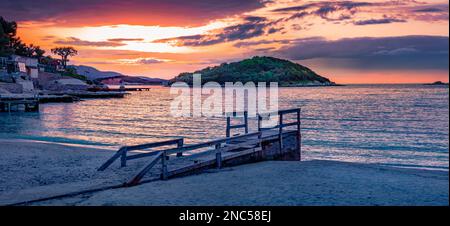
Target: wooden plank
123,157
136,179
209,143
299,134
246,121
208,163
288,124
228,127
179,145
226,148
163,165
111,160
142,155
154,144
280,132
218,156
238,126
280,112
219,159
177,150
288,111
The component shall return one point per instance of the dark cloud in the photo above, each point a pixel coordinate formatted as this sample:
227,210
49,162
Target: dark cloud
78,42
250,28
293,8
282,42
429,10
264,49
325,10
139,12
299,15
429,13
260,42
379,21
255,19
414,52
336,11
325,7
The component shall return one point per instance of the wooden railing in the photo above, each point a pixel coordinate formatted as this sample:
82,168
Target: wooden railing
123,152
230,127
218,149
245,141
282,124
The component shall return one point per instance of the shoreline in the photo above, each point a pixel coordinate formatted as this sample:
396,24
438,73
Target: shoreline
33,166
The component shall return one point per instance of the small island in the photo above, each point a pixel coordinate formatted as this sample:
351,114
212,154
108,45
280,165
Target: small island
259,69
438,83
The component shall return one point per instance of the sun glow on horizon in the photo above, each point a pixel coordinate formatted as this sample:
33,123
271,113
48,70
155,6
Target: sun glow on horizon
134,48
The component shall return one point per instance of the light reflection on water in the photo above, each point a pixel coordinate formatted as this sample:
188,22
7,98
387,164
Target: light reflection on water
391,124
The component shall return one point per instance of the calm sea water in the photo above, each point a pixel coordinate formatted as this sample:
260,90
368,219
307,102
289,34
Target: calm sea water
401,125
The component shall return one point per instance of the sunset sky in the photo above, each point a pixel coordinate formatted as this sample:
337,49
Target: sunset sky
379,41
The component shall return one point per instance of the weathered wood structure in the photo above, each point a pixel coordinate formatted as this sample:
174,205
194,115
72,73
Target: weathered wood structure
17,104
30,102
275,143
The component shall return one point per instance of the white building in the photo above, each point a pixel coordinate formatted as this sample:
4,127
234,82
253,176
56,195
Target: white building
27,65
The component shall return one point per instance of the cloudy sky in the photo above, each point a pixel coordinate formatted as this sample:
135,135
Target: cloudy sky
377,41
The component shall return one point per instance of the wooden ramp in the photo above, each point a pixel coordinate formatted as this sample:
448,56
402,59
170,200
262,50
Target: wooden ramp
232,150
18,103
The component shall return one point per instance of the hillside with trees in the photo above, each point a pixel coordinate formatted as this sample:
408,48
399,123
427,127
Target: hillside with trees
11,44
258,69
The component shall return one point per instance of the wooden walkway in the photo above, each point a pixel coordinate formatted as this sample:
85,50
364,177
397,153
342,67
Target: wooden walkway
187,159
8,104
30,102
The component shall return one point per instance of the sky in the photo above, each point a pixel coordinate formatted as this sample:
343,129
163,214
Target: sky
377,41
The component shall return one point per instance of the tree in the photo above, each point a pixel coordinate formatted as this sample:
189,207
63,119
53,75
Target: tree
10,44
38,52
8,31
65,52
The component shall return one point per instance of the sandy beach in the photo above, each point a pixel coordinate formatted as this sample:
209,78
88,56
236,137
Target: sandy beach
29,167
32,170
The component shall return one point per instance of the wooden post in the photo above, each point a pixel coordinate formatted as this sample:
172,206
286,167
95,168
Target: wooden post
144,170
259,122
246,121
280,132
299,134
164,165
228,126
180,145
218,157
123,158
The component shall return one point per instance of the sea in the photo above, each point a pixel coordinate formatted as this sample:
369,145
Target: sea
395,125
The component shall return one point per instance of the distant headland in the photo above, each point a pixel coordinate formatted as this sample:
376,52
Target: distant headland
258,69
438,83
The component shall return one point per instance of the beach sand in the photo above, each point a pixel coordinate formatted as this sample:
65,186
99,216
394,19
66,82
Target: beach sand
32,170
27,166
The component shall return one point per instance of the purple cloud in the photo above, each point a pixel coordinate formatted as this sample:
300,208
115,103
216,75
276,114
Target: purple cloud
379,21
345,9
250,28
418,52
140,12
